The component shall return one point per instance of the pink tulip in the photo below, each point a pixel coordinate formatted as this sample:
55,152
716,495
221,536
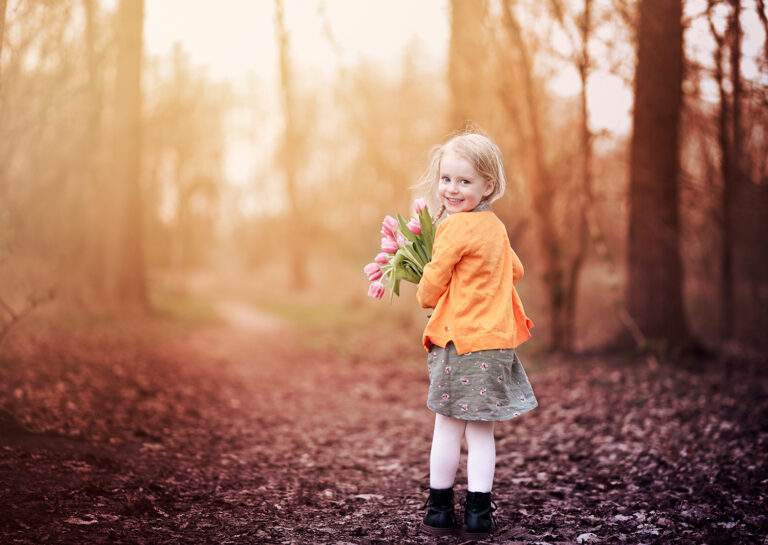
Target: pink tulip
400,239
420,204
390,246
414,226
388,227
373,270
376,290
382,258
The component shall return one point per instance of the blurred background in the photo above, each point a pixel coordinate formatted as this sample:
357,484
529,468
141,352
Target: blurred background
167,157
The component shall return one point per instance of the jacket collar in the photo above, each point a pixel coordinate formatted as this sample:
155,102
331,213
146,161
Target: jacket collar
483,206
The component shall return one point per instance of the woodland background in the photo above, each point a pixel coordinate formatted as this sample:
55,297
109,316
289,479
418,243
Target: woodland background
112,173
121,233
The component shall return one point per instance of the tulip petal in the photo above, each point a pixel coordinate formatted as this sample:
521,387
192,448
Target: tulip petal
388,245
376,290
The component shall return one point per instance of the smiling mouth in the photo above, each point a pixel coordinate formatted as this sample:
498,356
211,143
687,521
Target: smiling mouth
453,201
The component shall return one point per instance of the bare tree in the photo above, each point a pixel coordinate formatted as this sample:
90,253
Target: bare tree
729,135
289,153
9,317
740,129
585,201
467,62
726,169
735,174
579,31
183,149
3,5
762,14
654,286
559,261
93,196
125,264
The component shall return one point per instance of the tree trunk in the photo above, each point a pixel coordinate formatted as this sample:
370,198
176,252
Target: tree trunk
465,62
655,280
542,190
761,14
289,155
94,197
3,4
733,150
585,190
125,264
729,138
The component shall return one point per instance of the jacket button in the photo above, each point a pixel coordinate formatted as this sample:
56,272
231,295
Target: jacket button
447,328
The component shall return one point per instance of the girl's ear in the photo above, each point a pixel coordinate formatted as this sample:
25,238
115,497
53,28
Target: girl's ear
489,187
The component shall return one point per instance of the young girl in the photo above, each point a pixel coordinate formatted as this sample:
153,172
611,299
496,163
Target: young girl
477,321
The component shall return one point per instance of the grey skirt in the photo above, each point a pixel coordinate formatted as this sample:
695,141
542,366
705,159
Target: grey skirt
483,385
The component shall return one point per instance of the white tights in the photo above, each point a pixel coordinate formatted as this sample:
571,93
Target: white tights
446,450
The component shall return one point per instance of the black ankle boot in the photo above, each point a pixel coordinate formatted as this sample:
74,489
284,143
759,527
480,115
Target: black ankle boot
440,520
478,514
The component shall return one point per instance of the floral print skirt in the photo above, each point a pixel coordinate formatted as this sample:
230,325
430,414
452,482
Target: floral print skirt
483,385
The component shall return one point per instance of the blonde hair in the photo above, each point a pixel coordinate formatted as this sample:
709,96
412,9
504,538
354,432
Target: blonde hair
479,150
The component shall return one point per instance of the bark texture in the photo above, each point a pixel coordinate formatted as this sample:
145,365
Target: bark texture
654,286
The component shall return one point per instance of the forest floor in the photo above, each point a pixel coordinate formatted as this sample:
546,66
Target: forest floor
253,430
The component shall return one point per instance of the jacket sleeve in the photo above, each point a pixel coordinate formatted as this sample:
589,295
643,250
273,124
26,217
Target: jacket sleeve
446,252
517,268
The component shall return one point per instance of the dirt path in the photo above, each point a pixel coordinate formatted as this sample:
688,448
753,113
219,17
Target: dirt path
240,433
316,449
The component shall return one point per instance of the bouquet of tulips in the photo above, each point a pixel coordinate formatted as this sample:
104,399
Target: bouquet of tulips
407,247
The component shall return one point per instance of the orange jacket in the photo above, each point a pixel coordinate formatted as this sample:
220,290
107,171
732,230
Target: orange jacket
470,283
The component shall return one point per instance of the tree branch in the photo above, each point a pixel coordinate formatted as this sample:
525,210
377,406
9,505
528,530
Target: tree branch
33,302
761,13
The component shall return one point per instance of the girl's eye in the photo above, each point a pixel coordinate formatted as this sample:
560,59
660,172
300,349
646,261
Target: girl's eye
466,182
445,179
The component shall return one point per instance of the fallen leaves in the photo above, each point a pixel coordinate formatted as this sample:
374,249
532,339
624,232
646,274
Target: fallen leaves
228,437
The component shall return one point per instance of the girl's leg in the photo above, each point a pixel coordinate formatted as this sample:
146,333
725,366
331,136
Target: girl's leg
481,456
446,449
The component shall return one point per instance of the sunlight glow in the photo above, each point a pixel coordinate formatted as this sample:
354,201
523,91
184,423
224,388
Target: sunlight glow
235,41
237,37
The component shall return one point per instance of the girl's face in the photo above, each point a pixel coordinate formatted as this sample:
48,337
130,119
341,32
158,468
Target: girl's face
460,187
